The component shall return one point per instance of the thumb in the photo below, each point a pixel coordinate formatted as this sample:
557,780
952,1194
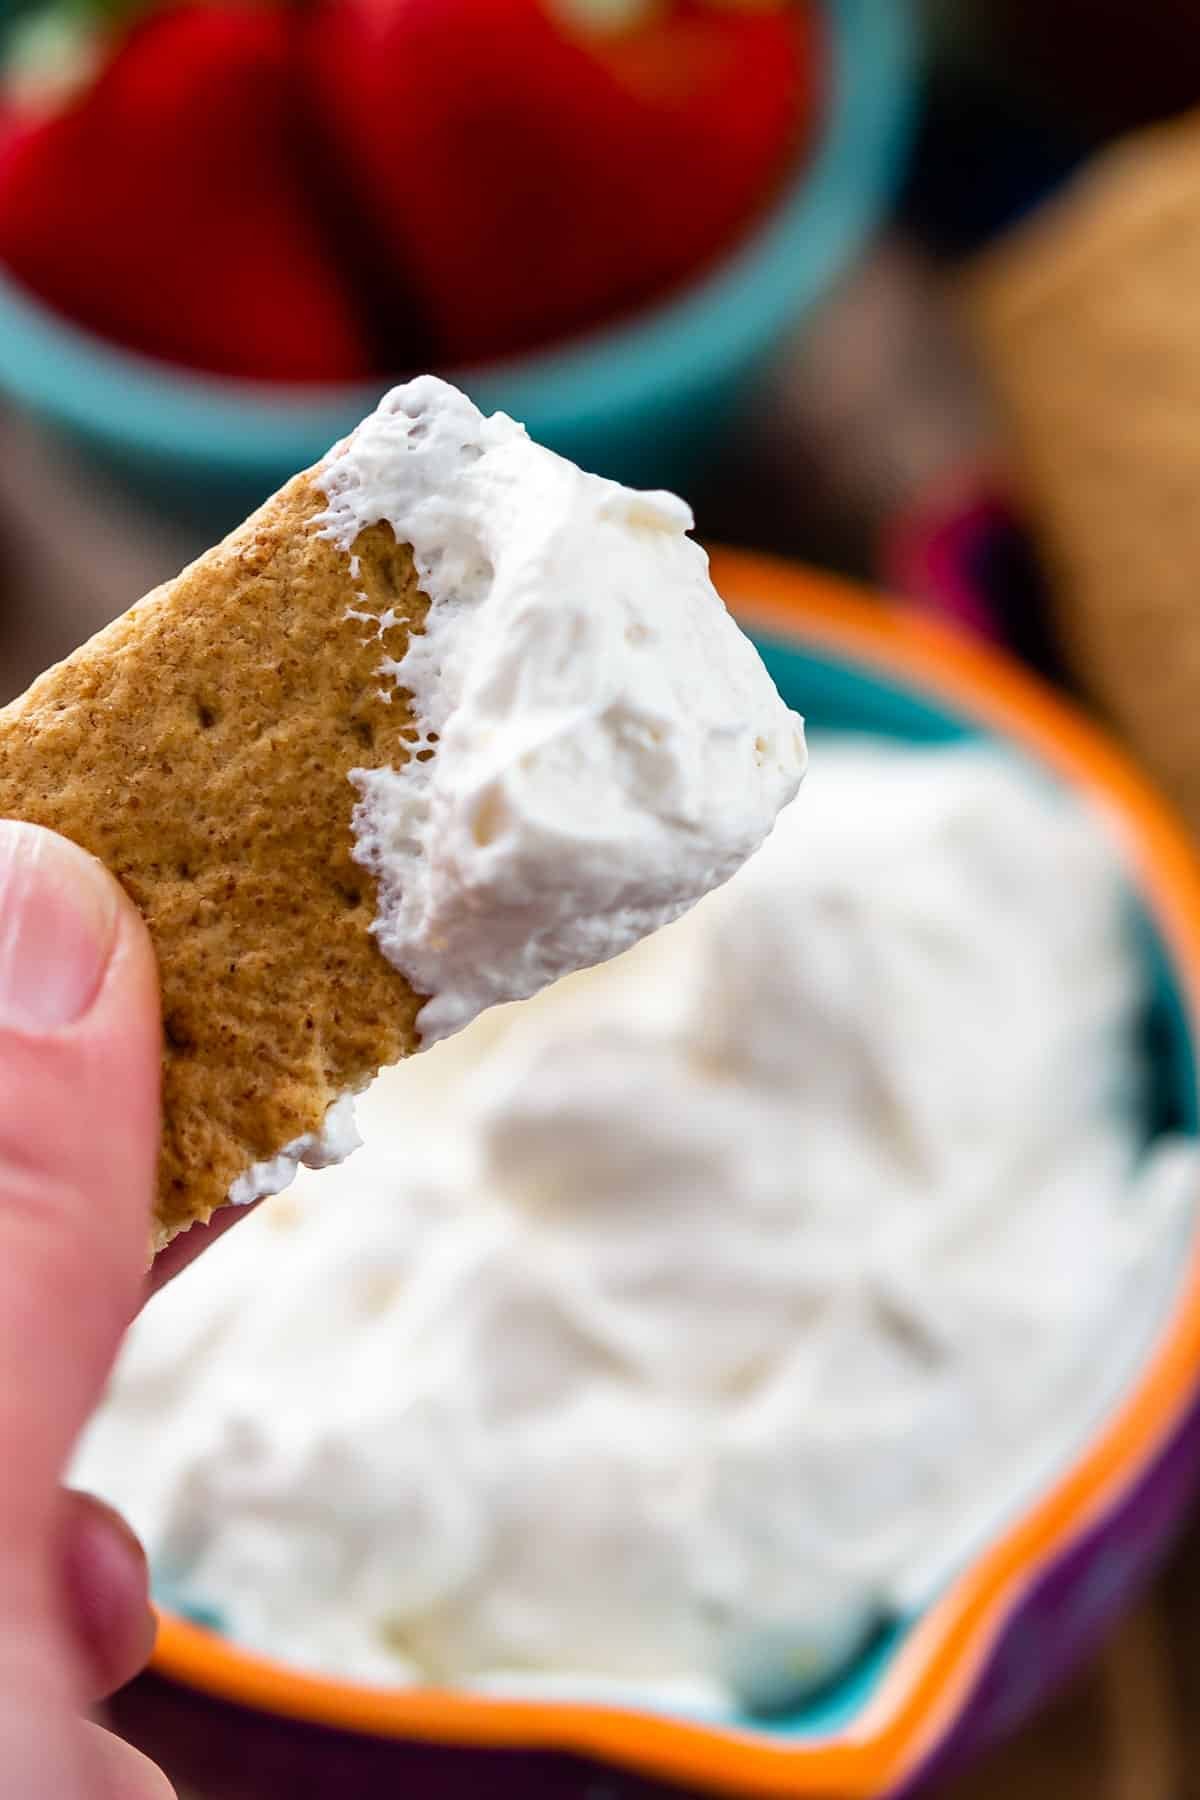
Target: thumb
80,1050
79,1069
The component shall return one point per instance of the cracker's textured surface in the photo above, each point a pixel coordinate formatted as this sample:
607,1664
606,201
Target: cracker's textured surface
1088,322
201,746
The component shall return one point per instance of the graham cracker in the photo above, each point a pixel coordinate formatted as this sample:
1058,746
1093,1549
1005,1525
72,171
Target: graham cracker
201,747
1089,325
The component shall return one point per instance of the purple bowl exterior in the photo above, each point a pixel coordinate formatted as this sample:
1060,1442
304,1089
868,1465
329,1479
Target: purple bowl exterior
1071,1605
223,1752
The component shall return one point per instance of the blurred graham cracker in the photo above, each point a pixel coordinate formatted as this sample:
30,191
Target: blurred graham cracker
1088,319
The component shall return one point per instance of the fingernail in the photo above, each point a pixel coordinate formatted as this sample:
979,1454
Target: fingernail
107,1588
58,920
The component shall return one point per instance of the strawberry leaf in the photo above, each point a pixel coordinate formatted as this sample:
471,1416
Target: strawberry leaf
104,13
604,16
49,53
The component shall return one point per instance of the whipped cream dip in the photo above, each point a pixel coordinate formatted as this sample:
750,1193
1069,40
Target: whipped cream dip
609,746
681,1326
599,743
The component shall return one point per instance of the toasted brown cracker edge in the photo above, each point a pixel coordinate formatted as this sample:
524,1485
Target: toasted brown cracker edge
201,746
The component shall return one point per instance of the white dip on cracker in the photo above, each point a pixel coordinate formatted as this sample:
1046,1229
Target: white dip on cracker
596,743
599,744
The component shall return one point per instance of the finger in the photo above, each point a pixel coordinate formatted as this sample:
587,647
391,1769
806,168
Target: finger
107,1593
79,1060
187,1246
79,1066
119,1772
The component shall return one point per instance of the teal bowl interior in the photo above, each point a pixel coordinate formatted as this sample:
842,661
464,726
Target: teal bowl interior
644,400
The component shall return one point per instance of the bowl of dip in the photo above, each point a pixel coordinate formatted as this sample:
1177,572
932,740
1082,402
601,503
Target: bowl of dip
644,398
1022,1598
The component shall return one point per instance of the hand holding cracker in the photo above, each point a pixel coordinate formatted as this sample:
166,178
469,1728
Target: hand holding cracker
446,719
79,1131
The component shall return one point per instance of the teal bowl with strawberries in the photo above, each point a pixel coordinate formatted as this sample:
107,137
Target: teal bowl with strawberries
645,396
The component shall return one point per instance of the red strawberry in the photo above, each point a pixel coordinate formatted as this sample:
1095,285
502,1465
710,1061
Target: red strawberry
529,176
165,204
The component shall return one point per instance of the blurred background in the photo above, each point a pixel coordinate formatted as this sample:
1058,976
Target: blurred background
901,291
